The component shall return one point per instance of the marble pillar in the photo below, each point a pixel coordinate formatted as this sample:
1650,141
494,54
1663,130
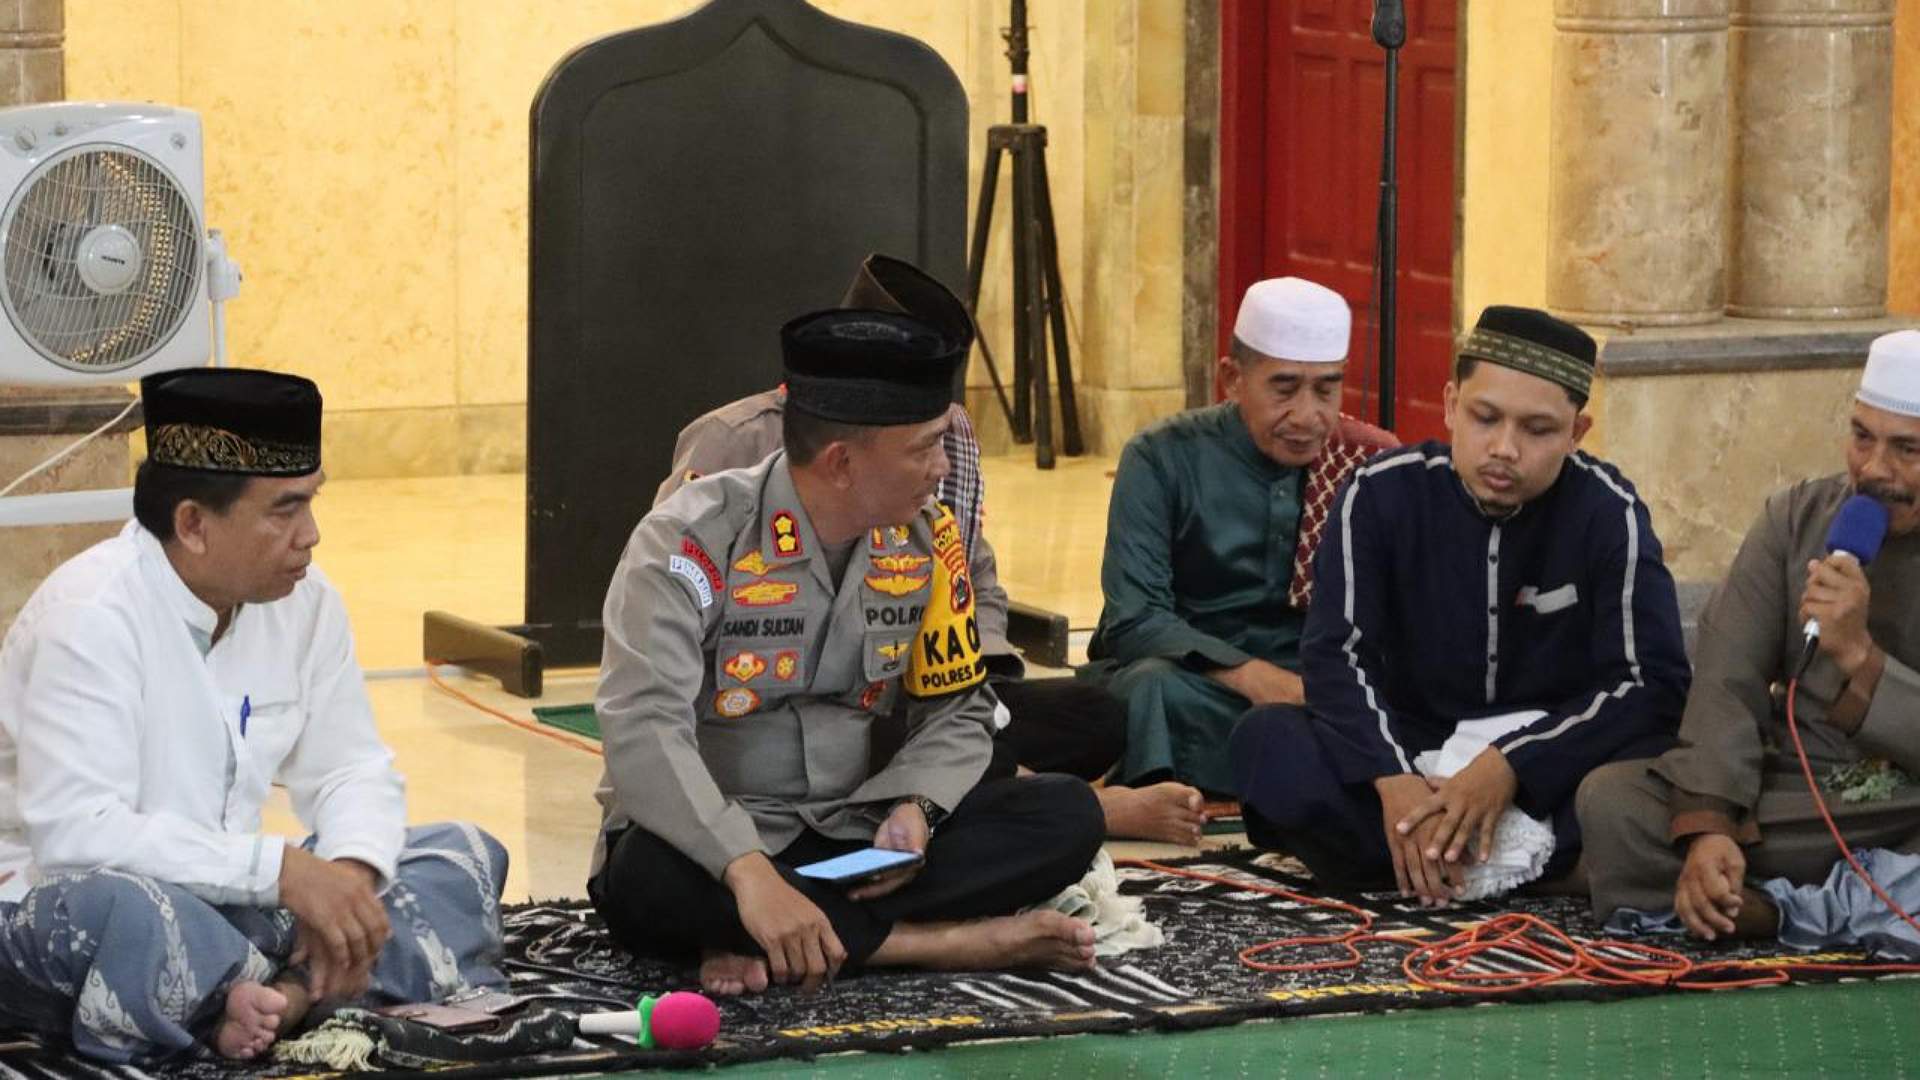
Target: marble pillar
1812,104
31,64
35,422
1637,175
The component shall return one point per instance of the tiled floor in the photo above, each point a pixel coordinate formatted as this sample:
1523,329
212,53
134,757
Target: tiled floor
397,548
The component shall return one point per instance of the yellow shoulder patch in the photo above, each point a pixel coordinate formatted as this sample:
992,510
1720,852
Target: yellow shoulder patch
946,650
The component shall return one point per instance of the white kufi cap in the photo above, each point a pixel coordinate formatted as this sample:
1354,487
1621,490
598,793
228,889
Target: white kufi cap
1293,319
1892,378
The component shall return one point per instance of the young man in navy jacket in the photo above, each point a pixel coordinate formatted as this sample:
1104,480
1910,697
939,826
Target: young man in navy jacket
1492,622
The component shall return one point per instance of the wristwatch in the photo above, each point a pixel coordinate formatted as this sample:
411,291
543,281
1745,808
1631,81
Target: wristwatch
928,807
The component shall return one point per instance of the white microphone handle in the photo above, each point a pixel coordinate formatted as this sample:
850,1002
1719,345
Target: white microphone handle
611,1023
1812,629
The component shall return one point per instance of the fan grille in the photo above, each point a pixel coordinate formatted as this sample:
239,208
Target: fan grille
65,201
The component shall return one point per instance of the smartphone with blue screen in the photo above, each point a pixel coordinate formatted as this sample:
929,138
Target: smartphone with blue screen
858,866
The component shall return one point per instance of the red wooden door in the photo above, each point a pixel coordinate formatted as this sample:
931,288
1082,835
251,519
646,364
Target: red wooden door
1302,97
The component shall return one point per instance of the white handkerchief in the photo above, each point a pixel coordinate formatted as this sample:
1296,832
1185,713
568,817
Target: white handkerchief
1521,844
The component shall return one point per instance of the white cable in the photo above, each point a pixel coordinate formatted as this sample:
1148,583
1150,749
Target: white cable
71,447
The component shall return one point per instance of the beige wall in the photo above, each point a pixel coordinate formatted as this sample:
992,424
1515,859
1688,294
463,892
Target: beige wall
1503,234
1903,268
367,160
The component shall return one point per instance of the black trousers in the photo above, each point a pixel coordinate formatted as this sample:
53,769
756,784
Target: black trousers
1292,800
1009,843
1056,726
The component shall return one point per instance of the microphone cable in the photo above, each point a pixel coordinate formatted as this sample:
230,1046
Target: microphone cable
1557,956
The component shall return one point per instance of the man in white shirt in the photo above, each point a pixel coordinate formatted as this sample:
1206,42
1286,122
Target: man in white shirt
151,691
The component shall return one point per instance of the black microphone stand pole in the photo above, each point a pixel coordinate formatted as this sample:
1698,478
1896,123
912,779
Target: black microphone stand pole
1389,32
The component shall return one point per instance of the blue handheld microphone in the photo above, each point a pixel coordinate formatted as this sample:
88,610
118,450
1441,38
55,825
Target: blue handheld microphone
1857,532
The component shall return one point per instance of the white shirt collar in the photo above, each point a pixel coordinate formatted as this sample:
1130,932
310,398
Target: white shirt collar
200,619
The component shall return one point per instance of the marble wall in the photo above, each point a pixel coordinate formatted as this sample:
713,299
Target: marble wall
367,159
1704,450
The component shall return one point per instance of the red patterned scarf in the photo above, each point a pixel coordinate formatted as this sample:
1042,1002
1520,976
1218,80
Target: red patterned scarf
1347,449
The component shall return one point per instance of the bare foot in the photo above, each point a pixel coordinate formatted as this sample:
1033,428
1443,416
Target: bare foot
1035,939
730,974
1167,812
252,1022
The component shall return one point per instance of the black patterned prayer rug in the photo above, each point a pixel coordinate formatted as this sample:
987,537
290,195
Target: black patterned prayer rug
559,956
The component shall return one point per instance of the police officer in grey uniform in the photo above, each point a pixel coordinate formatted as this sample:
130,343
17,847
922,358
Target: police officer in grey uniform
759,621
1054,724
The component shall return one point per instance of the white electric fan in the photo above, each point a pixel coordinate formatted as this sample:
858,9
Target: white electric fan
107,270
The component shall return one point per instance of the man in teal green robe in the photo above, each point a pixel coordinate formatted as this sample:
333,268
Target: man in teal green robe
1205,576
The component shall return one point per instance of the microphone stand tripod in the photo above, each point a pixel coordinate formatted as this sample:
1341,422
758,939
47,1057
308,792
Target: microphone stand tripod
1038,303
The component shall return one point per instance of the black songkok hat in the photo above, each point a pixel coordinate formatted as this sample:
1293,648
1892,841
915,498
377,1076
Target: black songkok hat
884,283
1535,342
232,420
876,368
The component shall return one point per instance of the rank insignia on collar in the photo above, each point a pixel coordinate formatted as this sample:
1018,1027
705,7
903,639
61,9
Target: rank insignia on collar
896,584
765,593
745,666
786,665
752,563
734,702
786,534
901,563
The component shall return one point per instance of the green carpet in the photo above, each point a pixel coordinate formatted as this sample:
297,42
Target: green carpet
1840,1030
578,719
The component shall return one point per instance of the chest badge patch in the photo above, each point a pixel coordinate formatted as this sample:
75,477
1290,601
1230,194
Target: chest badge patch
786,534
753,563
892,536
735,701
901,563
871,695
896,584
786,665
745,666
893,653
765,593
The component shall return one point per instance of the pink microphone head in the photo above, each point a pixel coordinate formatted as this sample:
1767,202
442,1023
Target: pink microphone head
684,1021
